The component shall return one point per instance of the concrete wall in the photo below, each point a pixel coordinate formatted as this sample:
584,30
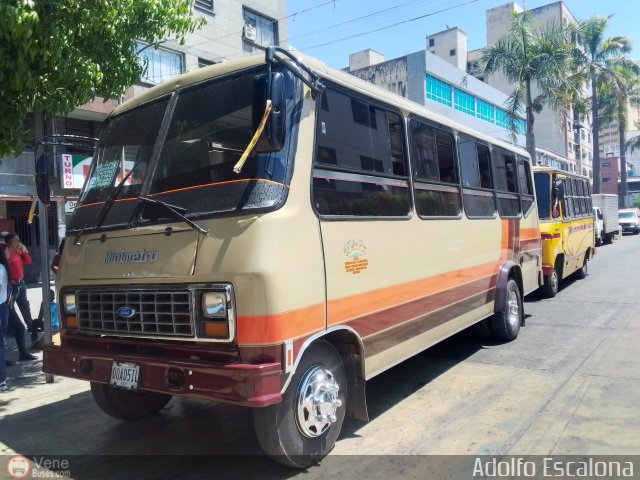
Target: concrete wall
391,75
450,45
364,58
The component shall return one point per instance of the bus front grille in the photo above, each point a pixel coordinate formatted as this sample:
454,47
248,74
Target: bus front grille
149,312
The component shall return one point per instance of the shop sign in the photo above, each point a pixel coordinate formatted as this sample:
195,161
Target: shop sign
74,171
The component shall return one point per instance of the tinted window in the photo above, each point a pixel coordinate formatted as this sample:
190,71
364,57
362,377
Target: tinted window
437,192
475,161
543,194
505,180
360,167
526,189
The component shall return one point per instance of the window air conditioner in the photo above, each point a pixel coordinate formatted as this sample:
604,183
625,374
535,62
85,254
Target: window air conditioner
250,33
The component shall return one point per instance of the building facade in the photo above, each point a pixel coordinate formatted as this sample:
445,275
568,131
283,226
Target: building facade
435,82
234,28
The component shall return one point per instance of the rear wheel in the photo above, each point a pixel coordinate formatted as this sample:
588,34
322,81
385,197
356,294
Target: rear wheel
303,428
551,283
584,270
608,238
126,405
505,325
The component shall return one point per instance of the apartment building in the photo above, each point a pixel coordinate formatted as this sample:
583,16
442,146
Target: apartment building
234,28
567,134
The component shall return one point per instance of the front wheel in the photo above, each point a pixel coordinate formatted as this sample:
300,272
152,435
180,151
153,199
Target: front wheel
303,428
126,405
505,325
551,283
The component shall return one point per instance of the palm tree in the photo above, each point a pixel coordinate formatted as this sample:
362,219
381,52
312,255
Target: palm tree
596,60
532,57
614,100
634,143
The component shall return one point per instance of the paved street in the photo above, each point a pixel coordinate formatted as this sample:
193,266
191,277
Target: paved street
569,384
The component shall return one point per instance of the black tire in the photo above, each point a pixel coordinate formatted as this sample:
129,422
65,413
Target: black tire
280,428
582,273
636,232
126,405
551,284
608,238
505,325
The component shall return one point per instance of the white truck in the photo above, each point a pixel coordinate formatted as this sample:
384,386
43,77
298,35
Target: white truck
605,207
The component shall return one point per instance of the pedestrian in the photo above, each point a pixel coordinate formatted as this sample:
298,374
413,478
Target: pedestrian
55,320
4,313
19,256
4,306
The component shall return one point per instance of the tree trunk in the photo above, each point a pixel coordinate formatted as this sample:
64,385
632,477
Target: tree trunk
622,198
595,131
531,138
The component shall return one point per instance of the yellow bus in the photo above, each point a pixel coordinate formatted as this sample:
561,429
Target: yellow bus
270,232
566,225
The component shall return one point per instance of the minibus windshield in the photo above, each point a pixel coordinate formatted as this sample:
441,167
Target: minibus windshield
206,130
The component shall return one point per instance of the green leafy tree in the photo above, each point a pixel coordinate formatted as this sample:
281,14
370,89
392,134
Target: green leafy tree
598,59
58,54
614,100
532,57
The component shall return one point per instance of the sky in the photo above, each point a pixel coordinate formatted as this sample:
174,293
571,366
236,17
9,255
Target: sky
332,29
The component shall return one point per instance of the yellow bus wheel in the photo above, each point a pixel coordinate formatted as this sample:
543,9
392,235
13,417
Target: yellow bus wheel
551,284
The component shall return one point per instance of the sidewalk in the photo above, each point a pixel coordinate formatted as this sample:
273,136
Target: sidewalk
27,386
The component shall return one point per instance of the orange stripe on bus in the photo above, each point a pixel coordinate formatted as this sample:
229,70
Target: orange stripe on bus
218,183
349,308
190,188
529,233
264,329
102,203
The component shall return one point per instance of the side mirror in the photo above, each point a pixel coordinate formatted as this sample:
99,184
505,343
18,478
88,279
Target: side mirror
273,137
42,179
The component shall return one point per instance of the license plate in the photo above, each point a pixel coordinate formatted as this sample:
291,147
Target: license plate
125,375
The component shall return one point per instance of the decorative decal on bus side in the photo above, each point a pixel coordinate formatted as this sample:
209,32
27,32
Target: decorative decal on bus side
355,250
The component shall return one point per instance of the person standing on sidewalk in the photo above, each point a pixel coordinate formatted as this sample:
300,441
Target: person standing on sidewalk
19,256
4,313
17,325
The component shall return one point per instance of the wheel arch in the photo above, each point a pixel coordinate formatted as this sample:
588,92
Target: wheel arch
349,346
508,270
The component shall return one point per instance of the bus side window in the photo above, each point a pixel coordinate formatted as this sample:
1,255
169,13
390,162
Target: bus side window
478,195
504,170
437,191
360,164
567,203
526,189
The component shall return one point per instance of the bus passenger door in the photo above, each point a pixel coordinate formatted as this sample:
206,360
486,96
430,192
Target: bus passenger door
530,247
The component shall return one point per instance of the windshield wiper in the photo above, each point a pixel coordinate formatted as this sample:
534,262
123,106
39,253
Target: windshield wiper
177,212
102,214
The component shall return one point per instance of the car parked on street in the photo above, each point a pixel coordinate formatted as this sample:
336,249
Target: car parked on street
629,220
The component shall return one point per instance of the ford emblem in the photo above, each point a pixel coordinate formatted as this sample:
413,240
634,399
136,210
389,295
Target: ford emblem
126,312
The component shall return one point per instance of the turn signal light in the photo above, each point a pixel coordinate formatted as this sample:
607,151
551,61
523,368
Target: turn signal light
71,322
216,329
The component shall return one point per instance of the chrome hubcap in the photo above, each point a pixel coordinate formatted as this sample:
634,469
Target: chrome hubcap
317,402
513,309
554,281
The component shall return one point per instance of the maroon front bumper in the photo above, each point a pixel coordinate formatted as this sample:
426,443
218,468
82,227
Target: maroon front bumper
246,384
